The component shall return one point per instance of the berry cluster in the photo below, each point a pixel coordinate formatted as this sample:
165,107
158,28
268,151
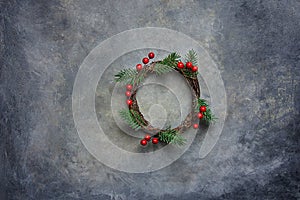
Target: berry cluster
145,60
138,67
147,138
188,65
200,115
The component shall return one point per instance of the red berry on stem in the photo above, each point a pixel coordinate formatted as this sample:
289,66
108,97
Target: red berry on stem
154,140
139,67
200,115
147,137
189,64
129,87
195,126
194,68
128,93
145,60
180,65
151,55
129,102
203,108
143,142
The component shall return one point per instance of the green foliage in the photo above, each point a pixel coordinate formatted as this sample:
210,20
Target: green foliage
130,119
171,60
138,117
191,56
161,68
188,73
140,77
171,136
126,75
208,117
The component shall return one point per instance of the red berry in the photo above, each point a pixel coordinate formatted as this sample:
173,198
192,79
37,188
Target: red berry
154,140
189,64
143,142
180,65
129,102
195,126
145,60
127,93
129,87
194,68
147,137
151,55
203,108
139,67
200,115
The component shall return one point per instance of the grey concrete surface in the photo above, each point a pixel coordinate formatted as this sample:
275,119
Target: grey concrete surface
256,45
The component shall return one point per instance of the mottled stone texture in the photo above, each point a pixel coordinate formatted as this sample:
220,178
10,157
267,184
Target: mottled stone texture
256,45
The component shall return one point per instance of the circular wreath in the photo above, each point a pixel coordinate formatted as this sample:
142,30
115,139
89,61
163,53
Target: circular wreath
133,77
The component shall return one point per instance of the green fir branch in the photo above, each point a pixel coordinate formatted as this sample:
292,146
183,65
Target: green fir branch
126,75
161,68
208,116
171,136
171,60
189,73
191,56
138,117
140,77
129,119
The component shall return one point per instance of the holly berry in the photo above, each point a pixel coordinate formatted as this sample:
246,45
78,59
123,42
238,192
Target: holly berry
147,137
180,65
145,60
151,55
129,102
128,93
194,68
195,126
189,64
200,115
203,108
139,67
129,87
143,142
154,140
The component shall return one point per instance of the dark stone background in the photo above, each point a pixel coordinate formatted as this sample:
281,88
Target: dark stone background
256,45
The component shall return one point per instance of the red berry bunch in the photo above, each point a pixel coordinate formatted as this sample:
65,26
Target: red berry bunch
189,65
200,115
145,60
147,138
128,94
138,67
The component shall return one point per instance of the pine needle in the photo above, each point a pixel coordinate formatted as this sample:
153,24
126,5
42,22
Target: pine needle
126,75
129,119
171,60
191,56
161,68
171,136
188,73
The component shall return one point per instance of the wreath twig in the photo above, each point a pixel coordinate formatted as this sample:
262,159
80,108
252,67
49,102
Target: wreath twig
189,71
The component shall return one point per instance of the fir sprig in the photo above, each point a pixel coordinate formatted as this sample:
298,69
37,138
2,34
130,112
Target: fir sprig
138,117
171,136
208,117
130,119
171,60
191,56
188,73
139,77
126,75
161,68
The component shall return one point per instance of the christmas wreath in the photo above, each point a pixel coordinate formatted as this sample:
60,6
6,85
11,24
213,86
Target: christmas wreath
187,67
